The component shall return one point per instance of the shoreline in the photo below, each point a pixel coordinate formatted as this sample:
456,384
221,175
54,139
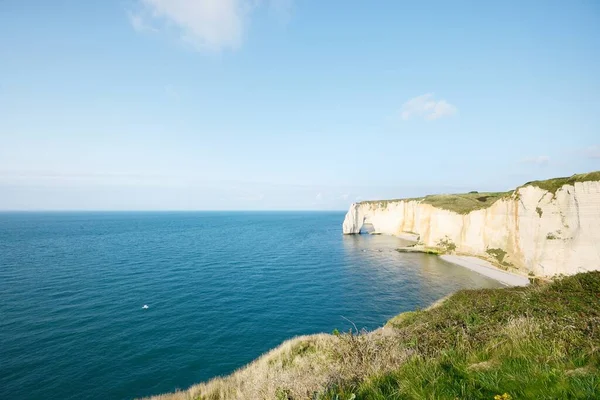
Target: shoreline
384,332
473,263
485,268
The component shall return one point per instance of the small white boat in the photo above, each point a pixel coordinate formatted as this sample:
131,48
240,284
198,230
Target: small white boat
145,306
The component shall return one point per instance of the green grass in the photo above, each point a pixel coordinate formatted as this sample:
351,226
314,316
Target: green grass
385,203
459,203
552,185
464,203
535,342
538,342
422,249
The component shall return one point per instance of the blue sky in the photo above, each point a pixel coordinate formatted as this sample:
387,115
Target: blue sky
290,104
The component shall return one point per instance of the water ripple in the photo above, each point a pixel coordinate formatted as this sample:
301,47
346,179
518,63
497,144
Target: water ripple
222,288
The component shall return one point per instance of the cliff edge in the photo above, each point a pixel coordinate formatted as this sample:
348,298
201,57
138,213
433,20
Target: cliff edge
535,342
543,227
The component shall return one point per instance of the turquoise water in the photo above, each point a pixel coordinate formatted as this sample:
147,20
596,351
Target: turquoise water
221,288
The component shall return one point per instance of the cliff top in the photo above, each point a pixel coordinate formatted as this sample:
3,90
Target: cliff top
464,203
552,185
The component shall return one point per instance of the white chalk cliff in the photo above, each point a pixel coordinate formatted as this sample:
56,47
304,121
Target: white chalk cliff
541,232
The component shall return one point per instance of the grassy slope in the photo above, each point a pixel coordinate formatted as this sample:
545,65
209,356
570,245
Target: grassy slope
538,342
552,185
464,203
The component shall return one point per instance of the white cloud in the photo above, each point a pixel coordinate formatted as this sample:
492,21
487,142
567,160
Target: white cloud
426,106
205,24
538,160
344,196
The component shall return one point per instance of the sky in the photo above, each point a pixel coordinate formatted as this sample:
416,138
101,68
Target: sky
290,104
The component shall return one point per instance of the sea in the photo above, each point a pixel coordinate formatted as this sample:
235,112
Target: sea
221,288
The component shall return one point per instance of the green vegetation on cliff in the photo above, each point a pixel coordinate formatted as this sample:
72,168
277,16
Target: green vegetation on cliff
385,203
464,203
552,185
538,342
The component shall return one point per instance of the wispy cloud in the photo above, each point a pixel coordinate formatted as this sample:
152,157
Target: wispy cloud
426,106
537,160
204,24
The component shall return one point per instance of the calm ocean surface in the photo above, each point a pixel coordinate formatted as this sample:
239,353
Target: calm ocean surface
222,288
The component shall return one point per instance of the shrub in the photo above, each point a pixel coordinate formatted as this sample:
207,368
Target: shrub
499,255
446,245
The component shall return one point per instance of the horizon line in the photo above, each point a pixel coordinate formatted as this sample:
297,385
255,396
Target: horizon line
161,210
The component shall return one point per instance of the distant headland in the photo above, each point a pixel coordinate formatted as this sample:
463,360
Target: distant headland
542,228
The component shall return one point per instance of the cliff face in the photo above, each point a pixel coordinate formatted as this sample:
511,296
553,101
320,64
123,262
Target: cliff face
532,230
